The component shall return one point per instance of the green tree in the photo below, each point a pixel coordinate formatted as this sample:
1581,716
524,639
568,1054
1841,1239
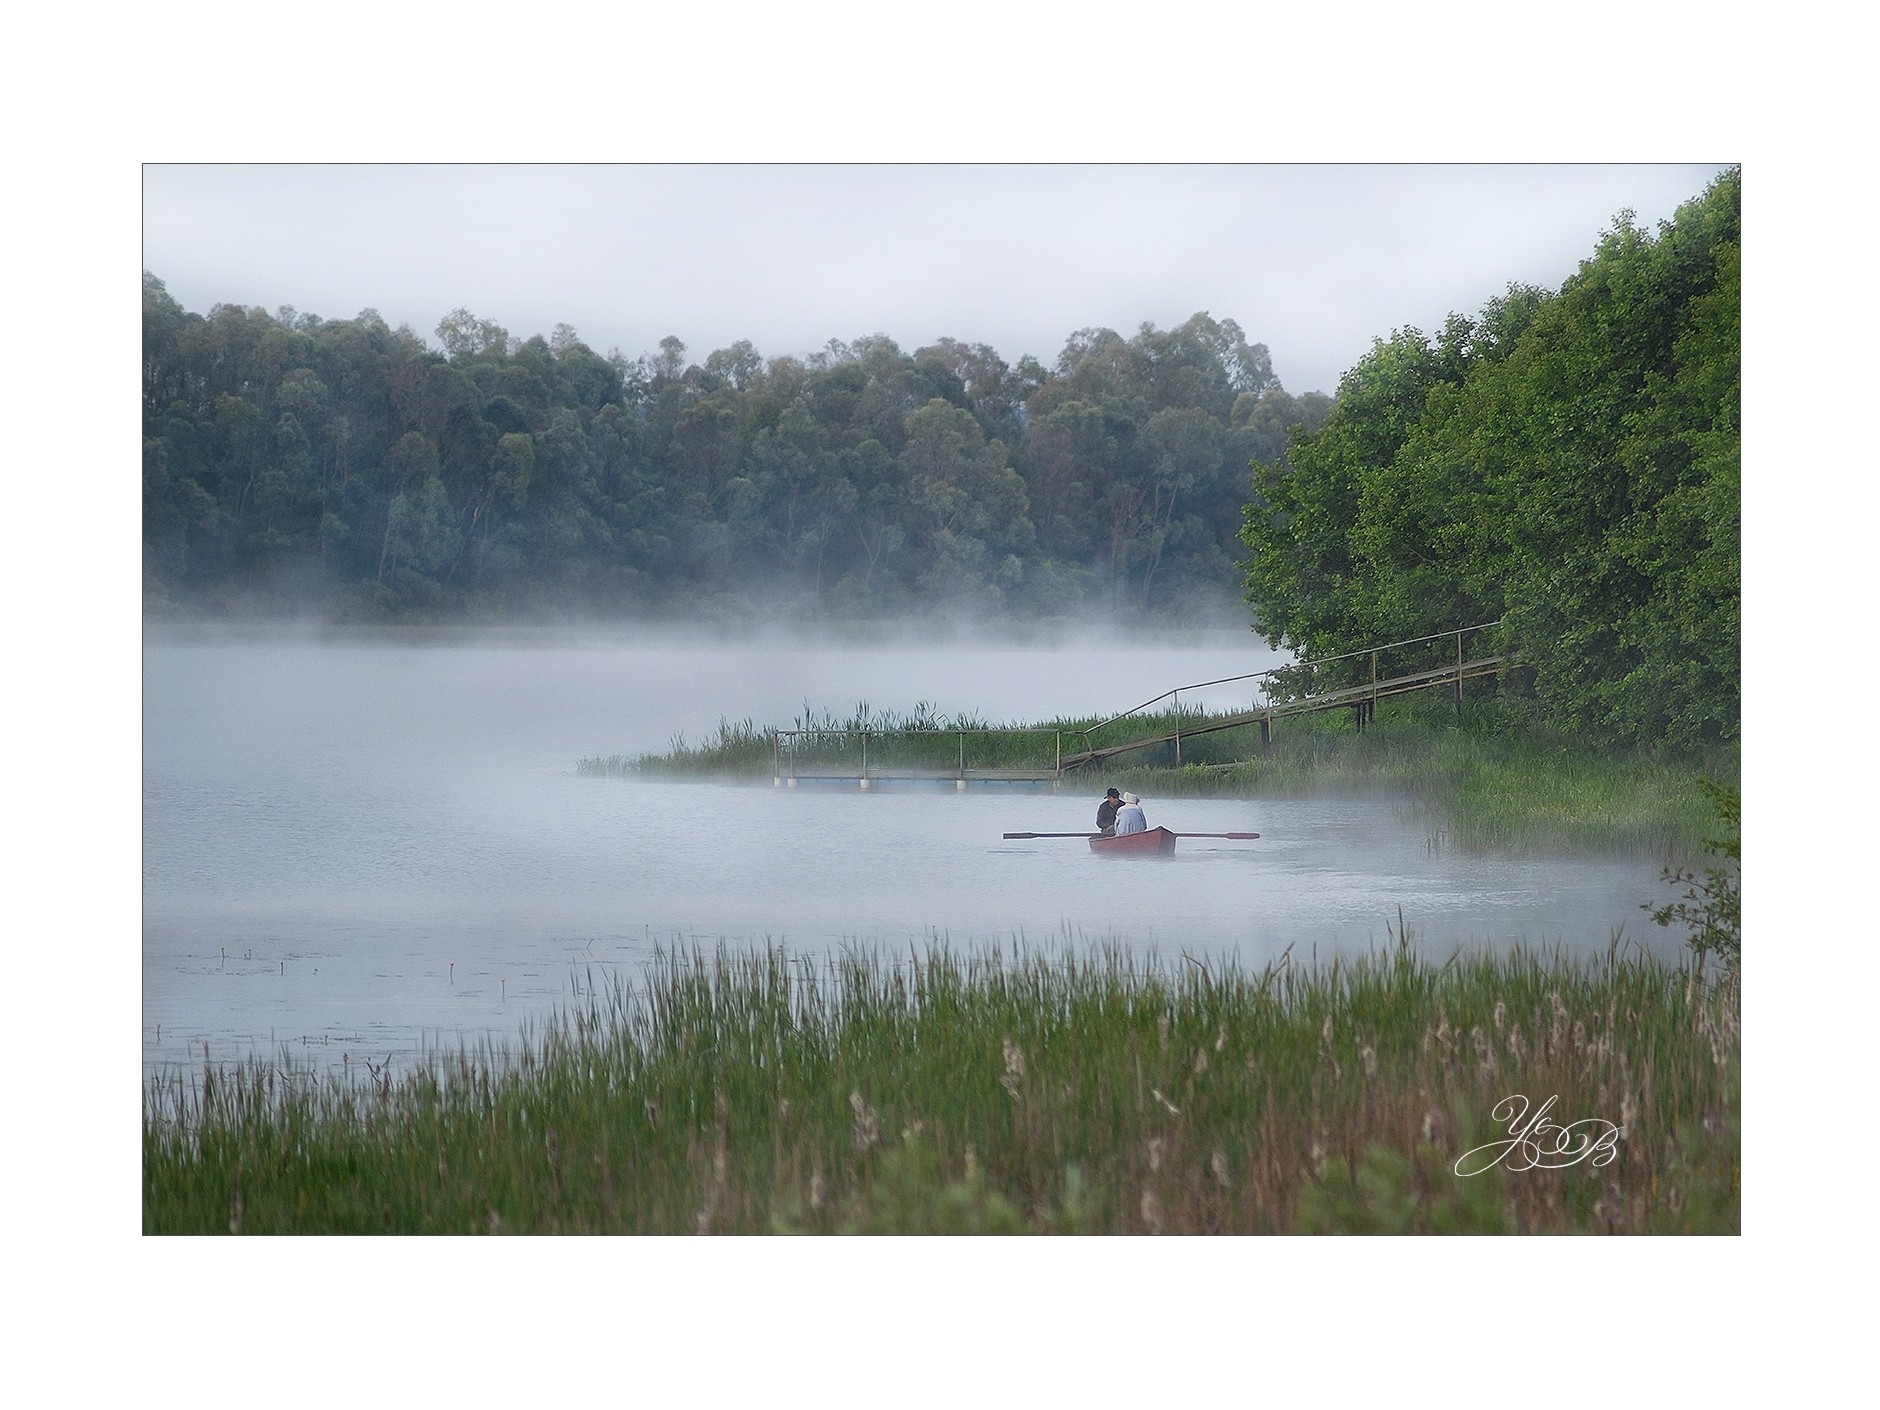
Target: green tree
1179,452
1308,588
859,479
968,506
1073,461
1568,462
465,336
420,529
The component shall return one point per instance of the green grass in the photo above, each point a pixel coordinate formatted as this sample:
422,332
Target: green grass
999,1093
1486,786
918,739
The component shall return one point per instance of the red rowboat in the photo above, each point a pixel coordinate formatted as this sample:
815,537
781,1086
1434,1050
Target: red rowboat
1156,842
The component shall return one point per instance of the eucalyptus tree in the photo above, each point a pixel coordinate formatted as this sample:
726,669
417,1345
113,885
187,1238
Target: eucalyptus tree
1073,459
1180,472
967,506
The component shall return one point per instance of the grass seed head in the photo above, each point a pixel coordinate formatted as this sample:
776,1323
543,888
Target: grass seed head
1014,1059
1485,1055
867,1126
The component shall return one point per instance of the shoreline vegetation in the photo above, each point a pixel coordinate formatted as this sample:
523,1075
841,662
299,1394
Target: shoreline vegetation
1495,779
1060,1090
994,1093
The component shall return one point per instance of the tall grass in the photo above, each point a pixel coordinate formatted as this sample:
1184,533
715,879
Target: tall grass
997,1092
1484,787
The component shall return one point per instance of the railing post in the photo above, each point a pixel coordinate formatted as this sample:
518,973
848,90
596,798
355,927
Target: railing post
1459,631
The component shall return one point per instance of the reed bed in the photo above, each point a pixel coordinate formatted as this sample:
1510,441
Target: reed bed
921,738
1013,1092
1481,788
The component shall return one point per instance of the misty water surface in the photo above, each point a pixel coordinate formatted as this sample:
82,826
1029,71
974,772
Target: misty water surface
371,850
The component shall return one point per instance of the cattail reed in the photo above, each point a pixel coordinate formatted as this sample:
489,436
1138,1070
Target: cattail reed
1091,1091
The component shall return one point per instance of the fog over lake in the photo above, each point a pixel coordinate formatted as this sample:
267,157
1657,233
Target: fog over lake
359,851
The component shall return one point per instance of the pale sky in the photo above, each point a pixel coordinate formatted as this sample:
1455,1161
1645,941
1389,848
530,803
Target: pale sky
1313,260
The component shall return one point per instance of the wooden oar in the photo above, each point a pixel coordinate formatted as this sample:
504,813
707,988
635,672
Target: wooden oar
1027,836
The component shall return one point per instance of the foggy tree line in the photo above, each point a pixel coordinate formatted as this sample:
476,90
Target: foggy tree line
291,460
1569,461
1566,461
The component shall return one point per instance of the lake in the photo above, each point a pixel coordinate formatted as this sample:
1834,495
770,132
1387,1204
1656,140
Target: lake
361,852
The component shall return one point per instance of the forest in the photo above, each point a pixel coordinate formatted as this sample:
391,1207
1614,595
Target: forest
1567,464
295,464
1564,464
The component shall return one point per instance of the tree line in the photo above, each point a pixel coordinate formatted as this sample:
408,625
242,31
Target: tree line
1567,463
355,468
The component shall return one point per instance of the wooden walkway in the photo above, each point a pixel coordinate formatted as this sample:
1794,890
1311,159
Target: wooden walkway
790,768
875,774
1345,698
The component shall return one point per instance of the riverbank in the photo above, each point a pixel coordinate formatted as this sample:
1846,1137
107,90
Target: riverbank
1010,1093
1488,779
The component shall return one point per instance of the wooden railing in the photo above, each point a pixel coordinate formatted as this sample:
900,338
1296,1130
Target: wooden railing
851,752
1365,696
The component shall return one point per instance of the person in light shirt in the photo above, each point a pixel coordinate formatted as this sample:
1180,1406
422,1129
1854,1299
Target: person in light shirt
1129,817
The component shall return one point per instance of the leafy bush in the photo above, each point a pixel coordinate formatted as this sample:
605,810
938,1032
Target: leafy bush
1712,904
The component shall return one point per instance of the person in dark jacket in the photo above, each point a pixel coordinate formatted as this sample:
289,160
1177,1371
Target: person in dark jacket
1106,812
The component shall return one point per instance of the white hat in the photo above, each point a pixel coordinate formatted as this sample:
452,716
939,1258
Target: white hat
1131,798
